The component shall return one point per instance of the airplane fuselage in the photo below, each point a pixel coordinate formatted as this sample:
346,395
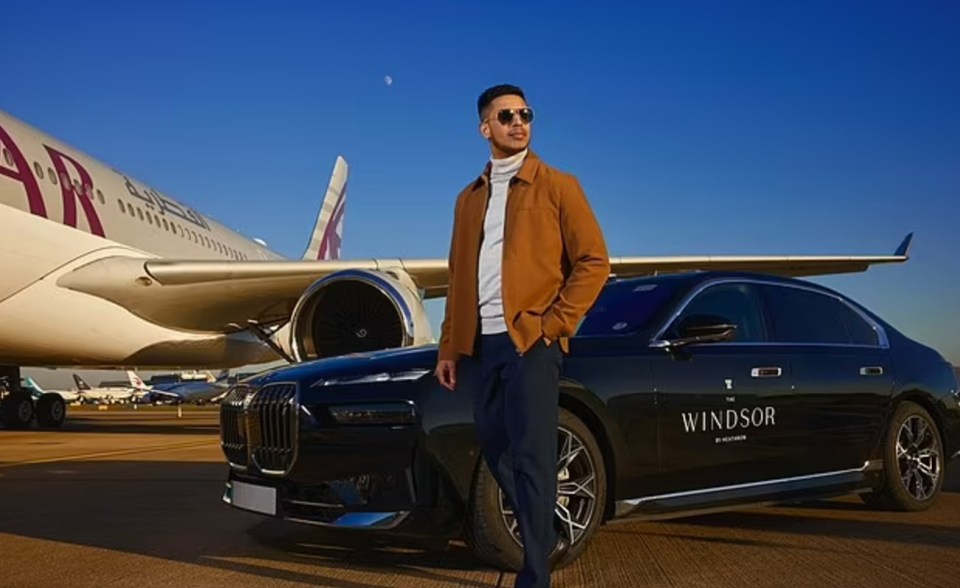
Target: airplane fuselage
59,209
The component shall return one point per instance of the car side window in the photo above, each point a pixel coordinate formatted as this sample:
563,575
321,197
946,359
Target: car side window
735,304
804,316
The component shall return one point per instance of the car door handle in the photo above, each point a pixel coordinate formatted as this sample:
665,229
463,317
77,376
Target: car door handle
873,370
766,372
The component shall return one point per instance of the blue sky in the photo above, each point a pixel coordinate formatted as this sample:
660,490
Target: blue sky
695,127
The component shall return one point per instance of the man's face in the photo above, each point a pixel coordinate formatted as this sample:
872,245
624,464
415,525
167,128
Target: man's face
504,125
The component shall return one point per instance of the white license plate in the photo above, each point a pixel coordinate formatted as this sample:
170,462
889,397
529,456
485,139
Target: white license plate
262,499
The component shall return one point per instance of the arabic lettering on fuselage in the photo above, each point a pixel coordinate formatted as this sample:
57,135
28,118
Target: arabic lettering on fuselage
154,201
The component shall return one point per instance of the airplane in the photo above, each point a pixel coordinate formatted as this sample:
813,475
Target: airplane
196,391
109,392
103,270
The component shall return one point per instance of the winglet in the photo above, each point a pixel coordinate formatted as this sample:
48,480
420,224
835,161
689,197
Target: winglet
904,249
328,231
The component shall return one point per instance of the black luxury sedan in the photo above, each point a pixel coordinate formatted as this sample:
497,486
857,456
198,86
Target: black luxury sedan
683,393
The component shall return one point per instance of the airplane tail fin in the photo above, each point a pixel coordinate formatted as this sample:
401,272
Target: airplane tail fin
135,380
81,384
328,230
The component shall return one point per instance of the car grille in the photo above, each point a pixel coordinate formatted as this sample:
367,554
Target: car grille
259,427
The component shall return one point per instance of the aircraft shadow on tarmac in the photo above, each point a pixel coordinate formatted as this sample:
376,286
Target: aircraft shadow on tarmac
173,510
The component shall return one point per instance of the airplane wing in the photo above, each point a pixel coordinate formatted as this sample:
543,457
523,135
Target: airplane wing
222,296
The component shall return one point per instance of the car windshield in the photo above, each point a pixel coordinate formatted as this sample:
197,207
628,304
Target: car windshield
628,306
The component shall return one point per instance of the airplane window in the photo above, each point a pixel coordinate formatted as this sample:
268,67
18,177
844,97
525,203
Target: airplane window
64,180
88,192
77,188
53,175
38,169
131,210
165,224
180,229
7,157
140,213
122,207
100,197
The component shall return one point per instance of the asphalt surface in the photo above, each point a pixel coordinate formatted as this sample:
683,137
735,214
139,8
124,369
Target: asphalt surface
132,498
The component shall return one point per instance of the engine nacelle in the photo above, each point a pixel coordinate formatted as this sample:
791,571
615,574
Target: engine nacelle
354,311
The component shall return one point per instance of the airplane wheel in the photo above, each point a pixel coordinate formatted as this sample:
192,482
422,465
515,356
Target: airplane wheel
16,411
51,410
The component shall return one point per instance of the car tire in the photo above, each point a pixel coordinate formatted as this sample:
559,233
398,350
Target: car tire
913,464
488,526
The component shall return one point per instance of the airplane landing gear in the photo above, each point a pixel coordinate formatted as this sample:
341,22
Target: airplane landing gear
18,406
51,410
16,410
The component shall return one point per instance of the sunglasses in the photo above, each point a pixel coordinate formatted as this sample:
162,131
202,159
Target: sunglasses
505,116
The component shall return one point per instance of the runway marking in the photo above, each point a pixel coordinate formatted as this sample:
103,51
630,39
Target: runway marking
86,456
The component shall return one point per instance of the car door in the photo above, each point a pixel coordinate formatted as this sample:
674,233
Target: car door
723,408
841,371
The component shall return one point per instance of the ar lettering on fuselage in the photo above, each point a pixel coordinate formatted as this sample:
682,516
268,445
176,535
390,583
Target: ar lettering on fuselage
61,162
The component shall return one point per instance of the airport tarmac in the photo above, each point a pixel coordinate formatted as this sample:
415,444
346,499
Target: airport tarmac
127,497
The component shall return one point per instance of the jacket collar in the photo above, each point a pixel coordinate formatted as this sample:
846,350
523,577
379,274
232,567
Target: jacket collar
526,174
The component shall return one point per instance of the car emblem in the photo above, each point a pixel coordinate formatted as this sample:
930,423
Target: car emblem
729,383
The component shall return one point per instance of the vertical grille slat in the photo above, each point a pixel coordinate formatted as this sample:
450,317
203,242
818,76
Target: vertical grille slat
260,427
232,432
275,451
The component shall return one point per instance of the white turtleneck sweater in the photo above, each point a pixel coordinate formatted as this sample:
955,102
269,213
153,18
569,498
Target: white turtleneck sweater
491,250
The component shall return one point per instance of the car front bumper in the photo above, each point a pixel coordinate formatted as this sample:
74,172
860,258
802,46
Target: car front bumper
322,464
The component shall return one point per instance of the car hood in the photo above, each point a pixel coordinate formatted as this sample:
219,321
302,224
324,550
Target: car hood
356,364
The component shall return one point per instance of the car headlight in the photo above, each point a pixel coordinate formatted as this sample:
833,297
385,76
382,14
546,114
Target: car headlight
379,413
408,375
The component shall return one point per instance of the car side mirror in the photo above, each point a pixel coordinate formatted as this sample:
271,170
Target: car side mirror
700,329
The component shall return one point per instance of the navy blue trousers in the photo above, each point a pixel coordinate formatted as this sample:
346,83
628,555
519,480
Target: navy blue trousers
515,410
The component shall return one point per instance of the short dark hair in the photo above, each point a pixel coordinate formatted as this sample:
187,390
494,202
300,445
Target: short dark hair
494,92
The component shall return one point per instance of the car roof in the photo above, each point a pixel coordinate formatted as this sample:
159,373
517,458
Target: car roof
697,277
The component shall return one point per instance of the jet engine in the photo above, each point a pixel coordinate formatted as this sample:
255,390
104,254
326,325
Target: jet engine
355,311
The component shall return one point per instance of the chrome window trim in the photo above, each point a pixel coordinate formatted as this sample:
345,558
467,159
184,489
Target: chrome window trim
883,341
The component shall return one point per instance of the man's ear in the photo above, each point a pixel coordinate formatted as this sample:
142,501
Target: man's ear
485,129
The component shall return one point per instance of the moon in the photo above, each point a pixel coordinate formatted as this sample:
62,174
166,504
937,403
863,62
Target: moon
388,80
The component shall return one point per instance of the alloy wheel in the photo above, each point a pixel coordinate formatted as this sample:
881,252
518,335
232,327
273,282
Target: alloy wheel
576,490
918,457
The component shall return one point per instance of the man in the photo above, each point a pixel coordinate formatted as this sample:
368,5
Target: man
527,260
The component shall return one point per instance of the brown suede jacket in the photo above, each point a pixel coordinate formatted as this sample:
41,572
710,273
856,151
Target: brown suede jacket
555,260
